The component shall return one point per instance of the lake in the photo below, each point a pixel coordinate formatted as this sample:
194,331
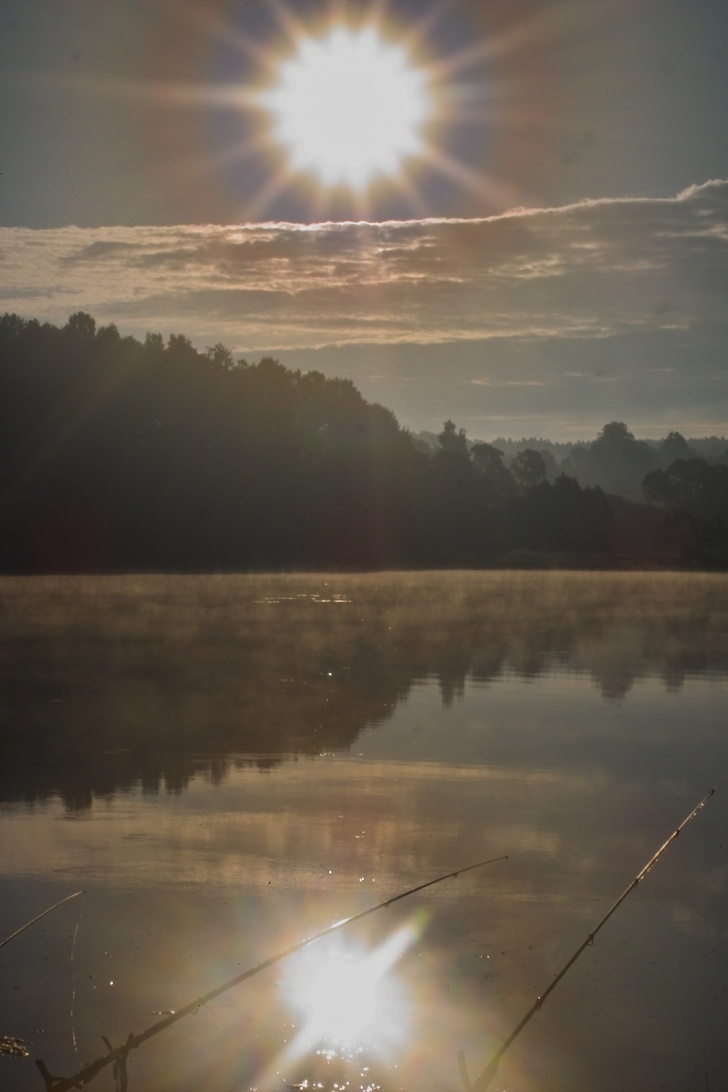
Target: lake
229,764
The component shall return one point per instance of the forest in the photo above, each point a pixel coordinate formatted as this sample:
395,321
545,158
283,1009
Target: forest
118,455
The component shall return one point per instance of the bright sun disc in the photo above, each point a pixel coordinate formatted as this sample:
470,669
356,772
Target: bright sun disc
348,107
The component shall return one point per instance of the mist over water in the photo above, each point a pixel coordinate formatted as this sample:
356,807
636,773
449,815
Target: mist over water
228,764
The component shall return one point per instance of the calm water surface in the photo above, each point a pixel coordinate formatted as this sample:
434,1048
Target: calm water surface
226,765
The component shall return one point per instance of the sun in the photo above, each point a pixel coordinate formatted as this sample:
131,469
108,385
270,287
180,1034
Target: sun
348,107
350,110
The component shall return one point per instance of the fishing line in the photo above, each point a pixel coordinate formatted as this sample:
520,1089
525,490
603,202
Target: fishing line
73,984
487,1076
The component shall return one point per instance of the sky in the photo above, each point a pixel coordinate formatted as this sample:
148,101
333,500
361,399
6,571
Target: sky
546,251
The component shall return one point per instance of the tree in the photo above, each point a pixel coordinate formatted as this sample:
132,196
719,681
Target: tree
80,326
615,461
693,486
108,336
696,495
220,355
615,436
672,448
181,349
154,344
453,440
487,459
528,468
492,474
550,464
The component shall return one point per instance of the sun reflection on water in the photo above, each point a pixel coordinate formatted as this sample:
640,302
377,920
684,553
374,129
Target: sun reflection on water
346,994
351,1010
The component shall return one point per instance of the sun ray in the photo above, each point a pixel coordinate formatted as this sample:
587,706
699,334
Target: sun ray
277,184
479,182
169,92
213,26
470,55
288,21
409,191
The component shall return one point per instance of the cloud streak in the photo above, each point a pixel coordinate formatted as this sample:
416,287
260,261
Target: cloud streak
597,268
588,275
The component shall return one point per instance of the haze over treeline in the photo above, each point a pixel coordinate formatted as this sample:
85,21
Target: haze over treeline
117,454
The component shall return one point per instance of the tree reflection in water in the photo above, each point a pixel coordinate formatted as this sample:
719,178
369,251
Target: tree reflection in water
111,682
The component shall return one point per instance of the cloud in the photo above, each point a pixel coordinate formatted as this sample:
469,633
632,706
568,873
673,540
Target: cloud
591,269
616,271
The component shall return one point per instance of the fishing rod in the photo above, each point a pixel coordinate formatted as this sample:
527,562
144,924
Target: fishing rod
39,916
485,1078
117,1057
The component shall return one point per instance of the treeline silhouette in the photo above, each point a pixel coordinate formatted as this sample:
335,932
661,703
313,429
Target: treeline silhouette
616,461
122,455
